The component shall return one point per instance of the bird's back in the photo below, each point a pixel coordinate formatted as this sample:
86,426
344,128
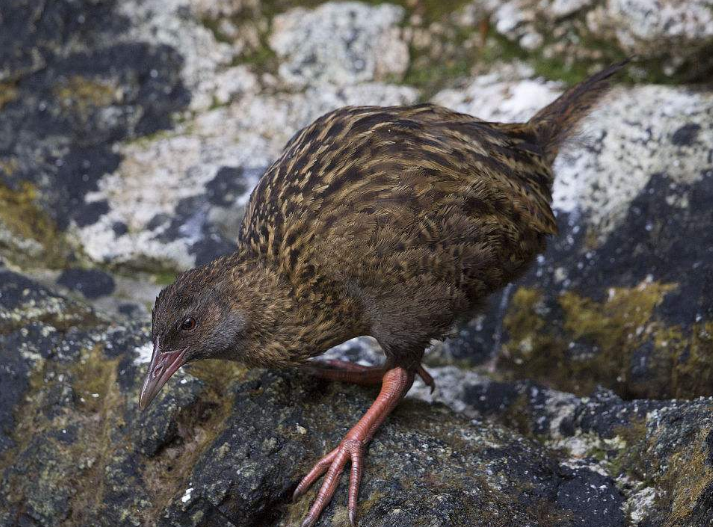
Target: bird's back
404,201
411,214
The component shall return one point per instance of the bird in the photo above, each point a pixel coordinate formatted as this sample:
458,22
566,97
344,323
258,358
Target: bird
391,222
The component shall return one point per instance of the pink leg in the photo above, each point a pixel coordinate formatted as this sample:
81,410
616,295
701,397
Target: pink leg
345,371
396,382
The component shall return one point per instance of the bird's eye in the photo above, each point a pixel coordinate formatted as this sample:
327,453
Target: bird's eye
188,324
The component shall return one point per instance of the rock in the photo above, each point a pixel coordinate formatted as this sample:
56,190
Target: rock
622,315
501,96
182,194
91,283
364,44
74,94
644,27
620,298
231,446
670,38
206,63
96,191
653,449
224,445
223,8
131,136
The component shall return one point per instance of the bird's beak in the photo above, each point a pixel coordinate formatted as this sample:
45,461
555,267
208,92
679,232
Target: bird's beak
163,365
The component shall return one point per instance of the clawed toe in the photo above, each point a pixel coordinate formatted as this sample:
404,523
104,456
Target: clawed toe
333,464
396,382
426,378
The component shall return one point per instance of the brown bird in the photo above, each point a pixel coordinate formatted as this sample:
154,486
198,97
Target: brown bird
391,222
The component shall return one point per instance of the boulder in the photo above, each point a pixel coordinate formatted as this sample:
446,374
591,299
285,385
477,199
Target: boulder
621,297
222,446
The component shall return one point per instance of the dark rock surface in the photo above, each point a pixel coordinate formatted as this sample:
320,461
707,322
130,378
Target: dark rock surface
226,447
92,283
223,446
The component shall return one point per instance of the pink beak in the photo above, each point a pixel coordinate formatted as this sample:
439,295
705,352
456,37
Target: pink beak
163,365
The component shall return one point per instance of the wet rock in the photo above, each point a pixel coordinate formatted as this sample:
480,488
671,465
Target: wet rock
656,451
364,44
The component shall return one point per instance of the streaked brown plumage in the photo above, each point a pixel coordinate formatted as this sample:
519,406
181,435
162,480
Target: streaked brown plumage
390,222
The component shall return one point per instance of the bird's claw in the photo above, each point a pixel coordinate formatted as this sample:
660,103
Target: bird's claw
350,449
426,378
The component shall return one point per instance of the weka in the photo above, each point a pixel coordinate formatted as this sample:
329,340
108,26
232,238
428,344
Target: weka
390,222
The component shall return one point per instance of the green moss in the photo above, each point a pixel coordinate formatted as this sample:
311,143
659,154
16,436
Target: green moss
691,358
93,377
430,75
429,10
262,59
24,219
164,278
629,459
531,347
82,94
686,480
678,365
8,93
581,53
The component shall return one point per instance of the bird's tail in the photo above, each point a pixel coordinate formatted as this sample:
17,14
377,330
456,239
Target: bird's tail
556,123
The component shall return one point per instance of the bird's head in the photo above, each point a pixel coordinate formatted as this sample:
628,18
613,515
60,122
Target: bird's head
193,318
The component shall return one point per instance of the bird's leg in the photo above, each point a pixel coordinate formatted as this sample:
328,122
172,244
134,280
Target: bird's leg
396,382
345,371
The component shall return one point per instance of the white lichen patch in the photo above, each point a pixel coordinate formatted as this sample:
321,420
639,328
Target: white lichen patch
173,23
143,353
364,44
643,25
187,495
451,384
626,141
493,98
640,503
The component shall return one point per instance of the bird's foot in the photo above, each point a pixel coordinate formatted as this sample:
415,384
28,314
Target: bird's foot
333,464
395,383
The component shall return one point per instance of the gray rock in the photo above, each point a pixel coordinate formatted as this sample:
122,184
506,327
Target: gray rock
90,282
652,448
339,43
182,194
671,37
131,135
620,298
222,446
505,95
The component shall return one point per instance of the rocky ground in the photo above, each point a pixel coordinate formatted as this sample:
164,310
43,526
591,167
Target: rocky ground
131,134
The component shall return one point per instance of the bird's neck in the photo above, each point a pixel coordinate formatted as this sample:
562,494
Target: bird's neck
284,328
